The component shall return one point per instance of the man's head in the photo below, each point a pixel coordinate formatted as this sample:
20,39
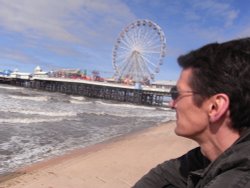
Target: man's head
222,68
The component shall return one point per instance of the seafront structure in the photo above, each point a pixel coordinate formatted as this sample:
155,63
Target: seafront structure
137,55
146,95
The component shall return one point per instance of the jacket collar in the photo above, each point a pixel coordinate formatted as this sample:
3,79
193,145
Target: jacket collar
234,156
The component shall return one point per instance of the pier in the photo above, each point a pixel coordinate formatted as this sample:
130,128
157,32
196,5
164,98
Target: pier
94,89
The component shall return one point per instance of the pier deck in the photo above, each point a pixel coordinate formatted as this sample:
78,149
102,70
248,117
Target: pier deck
104,90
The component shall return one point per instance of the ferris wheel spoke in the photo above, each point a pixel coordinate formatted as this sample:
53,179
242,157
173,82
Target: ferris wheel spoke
147,33
122,66
123,70
149,72
147,39
125,65
153,41
152,44
130,38
151,35
151,56
148,69
151,51
149,62
142,36
125,49
145,72
127,40
144,69
126,45
123,58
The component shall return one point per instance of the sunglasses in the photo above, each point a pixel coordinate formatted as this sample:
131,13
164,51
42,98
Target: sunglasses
175,94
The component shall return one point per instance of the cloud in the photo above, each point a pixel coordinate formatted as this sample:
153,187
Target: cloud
203,12
34,18
11,57
67,20
245,32
55,33
214,10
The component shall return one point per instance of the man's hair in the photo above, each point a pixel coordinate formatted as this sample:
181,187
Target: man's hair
223,68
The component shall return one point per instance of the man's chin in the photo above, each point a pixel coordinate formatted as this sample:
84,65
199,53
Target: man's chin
177,131
181,133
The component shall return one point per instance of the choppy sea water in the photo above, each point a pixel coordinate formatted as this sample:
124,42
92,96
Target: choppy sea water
35,125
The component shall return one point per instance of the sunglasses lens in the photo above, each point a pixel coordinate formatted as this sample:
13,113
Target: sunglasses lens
174,93
174,96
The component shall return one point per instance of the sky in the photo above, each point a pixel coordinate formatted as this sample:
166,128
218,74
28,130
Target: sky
81,34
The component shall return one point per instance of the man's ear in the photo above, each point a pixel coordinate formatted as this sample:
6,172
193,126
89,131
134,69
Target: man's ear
219,105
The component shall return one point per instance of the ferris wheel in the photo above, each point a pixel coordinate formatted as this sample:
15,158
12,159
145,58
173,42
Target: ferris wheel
139,51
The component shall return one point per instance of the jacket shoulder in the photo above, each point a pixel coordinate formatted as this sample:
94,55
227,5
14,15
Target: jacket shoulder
173,173
238,178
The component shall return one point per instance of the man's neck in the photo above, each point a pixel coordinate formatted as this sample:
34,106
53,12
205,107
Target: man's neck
215,144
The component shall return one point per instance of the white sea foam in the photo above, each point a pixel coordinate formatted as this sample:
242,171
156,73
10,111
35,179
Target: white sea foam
29,120
38,123
44,113
79,98
168,118
98,113
150,115
79,102
126,105
164,108
129,114
11,87
33,98
30,154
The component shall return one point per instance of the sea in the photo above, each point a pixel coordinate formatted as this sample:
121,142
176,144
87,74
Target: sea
37,125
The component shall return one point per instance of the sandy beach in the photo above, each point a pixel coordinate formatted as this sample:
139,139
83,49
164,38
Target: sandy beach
117,163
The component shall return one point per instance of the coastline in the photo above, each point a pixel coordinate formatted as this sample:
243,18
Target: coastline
118,162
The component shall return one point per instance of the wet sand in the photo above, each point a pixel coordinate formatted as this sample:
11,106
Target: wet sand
117,163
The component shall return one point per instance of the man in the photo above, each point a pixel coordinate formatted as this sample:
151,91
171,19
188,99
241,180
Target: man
212,103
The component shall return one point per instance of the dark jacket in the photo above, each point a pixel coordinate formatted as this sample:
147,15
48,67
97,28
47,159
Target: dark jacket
192,170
